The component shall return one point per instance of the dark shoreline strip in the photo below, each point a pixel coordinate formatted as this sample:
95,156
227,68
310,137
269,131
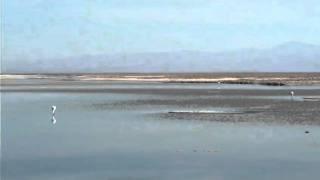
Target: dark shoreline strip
231,82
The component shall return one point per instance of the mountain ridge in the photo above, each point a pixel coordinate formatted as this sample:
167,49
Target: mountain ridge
286,57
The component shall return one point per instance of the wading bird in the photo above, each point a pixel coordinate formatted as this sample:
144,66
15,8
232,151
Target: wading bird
292,94
53,109
219,87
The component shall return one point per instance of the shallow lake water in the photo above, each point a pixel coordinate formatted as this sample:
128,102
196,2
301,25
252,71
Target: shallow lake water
88,142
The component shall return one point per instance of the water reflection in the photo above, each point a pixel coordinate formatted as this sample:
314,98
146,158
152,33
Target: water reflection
53,120
129,143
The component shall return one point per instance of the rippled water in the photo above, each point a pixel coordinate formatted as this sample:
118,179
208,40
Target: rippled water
88,142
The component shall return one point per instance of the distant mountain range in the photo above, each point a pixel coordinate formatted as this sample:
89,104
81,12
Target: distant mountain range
288,57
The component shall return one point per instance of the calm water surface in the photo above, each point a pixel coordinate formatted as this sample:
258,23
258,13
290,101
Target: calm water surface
130,143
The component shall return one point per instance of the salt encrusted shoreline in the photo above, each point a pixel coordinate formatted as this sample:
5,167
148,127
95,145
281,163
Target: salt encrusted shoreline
271,79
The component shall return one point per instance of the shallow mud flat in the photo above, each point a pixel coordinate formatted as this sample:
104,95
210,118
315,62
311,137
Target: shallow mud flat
114,130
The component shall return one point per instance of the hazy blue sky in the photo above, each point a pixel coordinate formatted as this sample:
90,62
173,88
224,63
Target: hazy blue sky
56,28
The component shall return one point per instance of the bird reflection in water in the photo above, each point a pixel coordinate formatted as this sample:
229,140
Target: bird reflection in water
53,120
